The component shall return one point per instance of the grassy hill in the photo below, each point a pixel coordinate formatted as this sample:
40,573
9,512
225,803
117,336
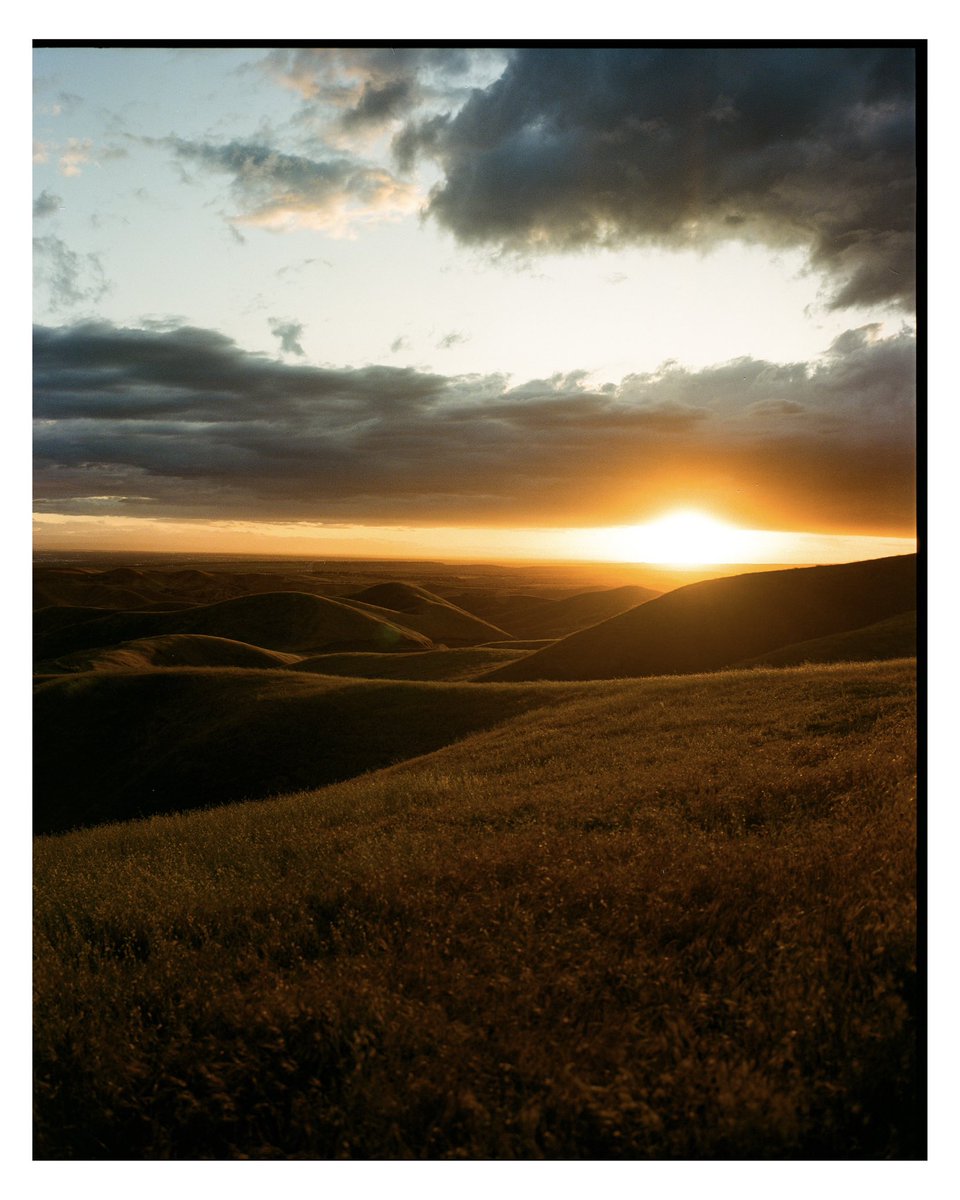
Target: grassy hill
719,622
287,621
894,638
429,614
461,663
133,588
50,620
528,616
558,618
520,644
670,918
113,745
170,650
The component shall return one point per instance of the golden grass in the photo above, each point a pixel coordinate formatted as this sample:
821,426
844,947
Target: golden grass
665,918
118,745
462,662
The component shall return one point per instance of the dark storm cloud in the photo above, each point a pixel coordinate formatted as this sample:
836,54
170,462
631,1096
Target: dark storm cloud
581,147
205,429
289,333
70,278
46,204
280,190
379,104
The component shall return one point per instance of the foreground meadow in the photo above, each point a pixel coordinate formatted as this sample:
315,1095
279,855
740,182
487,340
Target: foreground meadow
664,918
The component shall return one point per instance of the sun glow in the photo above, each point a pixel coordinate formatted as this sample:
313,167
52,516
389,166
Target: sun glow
682,538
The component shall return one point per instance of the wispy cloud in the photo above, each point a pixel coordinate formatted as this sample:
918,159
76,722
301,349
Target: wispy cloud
63,104
297,267
367,89
452,339
289,334
46,204
74,156
70,278
281,192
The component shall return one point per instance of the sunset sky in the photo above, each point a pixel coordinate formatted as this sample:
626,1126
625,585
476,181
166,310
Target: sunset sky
606,303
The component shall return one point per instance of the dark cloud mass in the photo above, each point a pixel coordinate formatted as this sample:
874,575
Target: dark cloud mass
377,104
184,423
684,147
372,86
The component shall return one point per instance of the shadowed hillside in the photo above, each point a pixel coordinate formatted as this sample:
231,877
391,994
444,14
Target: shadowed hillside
47,621
541,617
416,608
77,589
170,650
129,588
710,625
894,638
465,662
288,621
517,644
114,745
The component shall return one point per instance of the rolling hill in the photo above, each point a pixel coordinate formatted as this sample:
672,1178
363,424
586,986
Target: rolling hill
539,617
49,620
713,624
463,662
296,622
132,588
111,745
429,614
894,638
168,650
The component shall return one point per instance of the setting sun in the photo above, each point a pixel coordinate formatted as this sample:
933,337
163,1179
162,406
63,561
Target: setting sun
685,537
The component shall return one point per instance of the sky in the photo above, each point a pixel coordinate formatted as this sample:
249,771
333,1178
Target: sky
476,303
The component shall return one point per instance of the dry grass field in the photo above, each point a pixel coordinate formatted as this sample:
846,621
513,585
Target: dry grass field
658,918
316,879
